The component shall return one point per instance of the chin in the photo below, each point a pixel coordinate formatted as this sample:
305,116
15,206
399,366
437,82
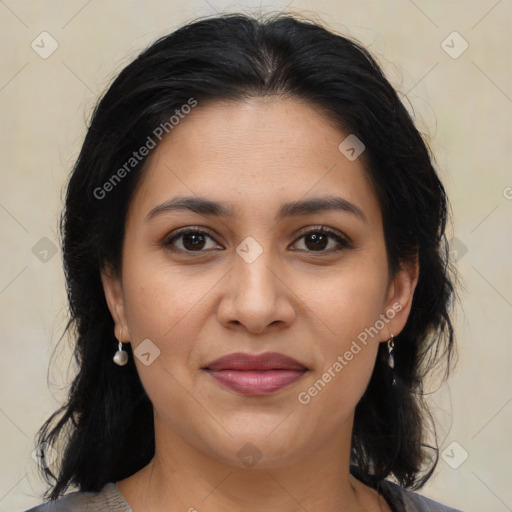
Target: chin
263,449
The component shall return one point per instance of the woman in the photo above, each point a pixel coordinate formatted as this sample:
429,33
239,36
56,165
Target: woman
258,280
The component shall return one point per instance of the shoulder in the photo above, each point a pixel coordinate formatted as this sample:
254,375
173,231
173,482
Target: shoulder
410,501
398,498
108,499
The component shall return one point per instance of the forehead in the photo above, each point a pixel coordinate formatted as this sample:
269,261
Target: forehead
252,154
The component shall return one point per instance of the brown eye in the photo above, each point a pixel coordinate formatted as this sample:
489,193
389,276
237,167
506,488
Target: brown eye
192,240
317,240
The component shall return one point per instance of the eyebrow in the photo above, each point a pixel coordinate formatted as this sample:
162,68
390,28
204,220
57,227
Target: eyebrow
295,208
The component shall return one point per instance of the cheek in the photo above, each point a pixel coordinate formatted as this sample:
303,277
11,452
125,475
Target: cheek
158,308
161,305
349,307
348,303
160,298
346,349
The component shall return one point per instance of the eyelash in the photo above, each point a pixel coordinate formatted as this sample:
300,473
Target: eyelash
344,243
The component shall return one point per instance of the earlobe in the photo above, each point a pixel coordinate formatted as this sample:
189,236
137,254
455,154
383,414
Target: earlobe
113,290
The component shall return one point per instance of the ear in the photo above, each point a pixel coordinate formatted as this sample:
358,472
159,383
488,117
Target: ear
114,296
400,295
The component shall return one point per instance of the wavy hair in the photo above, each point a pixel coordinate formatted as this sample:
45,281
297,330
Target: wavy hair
104,431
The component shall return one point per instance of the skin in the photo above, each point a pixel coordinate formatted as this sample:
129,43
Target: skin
306,302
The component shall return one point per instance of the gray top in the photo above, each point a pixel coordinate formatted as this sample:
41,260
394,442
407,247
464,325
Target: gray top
110,499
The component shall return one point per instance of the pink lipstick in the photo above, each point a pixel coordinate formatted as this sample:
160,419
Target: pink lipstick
256,375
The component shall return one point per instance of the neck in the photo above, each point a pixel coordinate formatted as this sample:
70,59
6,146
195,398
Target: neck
182,478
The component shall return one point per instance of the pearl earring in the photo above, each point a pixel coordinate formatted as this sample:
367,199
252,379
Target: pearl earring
120,357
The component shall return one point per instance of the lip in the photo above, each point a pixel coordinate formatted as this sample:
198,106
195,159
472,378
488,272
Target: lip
256,375
259,362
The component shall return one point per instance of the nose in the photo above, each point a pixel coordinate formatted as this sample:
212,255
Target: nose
256,297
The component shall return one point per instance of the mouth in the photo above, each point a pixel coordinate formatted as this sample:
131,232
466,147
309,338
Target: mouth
256,375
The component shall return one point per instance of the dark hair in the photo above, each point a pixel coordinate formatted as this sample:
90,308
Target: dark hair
105,430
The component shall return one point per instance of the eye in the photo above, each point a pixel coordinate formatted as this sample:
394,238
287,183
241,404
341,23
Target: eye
192,240
317,240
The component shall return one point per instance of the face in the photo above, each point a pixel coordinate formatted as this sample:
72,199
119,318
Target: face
282,270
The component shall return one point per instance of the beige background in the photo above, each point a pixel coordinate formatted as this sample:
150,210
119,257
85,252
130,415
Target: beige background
463,103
